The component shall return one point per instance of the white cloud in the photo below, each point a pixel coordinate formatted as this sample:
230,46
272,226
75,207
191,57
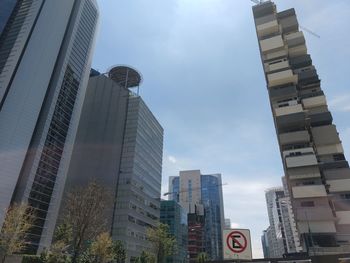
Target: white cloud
340,103
172,159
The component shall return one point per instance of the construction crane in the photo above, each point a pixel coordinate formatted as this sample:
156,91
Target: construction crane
258,2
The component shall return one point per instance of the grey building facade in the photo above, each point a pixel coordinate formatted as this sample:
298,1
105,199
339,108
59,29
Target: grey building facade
6,8
280,236
119,144
317,173
42,85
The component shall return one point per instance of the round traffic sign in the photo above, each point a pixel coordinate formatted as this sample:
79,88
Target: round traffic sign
236,242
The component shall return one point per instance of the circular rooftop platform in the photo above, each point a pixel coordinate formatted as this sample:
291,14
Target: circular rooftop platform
125,76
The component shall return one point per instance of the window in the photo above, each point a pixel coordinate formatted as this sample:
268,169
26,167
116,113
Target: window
307,204
345,196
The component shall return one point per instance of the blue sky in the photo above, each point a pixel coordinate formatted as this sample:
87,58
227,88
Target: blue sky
204,82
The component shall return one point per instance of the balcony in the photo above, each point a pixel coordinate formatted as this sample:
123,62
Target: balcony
276,65
300,161
316,227
264,9
265,19
297,51
343,217
309,75
271,44
303,173
318,213
330,149
288,110
286,122
268,28
289,23
295,39
301,61
325,135
281,78
307,191
314,102
294,137
321,119
342,185
298,152
337,174
289,91
275,55
334,165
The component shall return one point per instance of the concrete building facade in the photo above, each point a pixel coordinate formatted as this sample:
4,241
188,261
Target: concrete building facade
119,144
317,173
42,86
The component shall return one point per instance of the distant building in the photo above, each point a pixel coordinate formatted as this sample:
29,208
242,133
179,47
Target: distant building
317,172
265,243
227,223
45,58
196,233
172,214
201,196
120,144
280,238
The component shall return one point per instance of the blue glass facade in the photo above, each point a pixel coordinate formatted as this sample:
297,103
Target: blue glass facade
211,198
175,189
172,214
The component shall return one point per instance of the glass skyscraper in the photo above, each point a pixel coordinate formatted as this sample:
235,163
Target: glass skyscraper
6,8
201,196
42,86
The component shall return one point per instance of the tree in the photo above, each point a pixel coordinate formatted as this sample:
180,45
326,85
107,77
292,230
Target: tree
19,219
202,257
163,242
145,257
102,248
84,217
119,252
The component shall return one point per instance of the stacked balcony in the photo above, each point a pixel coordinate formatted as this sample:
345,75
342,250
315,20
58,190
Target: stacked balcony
312,152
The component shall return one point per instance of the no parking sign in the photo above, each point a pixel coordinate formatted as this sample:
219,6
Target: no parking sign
237,244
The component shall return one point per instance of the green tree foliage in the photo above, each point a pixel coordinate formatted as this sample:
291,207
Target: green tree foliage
119,252
202,257
145,257
19,219
164,244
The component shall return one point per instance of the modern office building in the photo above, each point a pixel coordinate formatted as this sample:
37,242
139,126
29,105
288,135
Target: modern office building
45,57
317,173
265,242
227,223
172,214
119,144
201,195
6,8
280,237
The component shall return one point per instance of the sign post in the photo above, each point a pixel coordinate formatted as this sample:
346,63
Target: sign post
237,244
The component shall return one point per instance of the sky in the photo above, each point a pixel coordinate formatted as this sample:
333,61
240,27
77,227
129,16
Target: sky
203,80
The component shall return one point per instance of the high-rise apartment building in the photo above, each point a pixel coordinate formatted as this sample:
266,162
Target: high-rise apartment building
201,195
280,237
172,214
119,144
227,223
317,173
45,57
